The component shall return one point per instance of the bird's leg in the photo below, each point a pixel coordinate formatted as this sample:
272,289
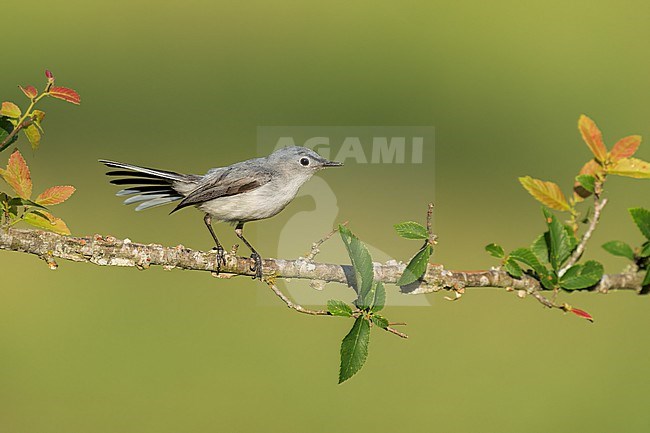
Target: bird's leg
239,231
221,259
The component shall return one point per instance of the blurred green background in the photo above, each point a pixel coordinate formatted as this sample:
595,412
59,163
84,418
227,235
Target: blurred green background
185,85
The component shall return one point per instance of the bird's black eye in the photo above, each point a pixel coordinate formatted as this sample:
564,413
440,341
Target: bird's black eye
304,162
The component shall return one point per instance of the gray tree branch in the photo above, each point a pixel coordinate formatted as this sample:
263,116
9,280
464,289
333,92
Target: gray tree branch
109,251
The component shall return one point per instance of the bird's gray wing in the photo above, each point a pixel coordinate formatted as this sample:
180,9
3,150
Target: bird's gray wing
231,181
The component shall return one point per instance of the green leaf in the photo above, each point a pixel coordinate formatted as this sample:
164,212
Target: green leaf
9,109
527,257
513,268
416,267
380,297
411,230
40,214
495,250
561,244
641,218
368,301
5,129
339,308
645,250
582,276
354,349
540,248
47,221
17,201
380,321
573,241
33,135
587,181
362,264
619,248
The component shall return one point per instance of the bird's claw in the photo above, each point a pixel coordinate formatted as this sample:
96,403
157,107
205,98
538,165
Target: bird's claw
221,257
257,266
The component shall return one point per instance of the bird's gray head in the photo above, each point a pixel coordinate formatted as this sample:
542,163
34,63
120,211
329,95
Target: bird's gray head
298,159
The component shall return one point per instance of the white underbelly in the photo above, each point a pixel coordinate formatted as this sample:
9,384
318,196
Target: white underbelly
261,203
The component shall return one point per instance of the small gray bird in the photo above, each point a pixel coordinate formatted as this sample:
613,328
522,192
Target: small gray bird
250,190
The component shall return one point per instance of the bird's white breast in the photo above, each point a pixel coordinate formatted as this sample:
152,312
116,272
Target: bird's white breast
263,202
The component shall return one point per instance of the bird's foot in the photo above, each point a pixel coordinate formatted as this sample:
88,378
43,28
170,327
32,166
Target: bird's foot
257,266
221,257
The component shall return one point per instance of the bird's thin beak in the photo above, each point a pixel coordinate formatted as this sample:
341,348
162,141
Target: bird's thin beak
332,164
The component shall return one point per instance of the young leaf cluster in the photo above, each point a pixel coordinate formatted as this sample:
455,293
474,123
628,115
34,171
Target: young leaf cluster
547,255
19,206
13,119
552,258
640,256
591,177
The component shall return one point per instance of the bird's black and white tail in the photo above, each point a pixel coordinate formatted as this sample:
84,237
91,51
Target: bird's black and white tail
147,186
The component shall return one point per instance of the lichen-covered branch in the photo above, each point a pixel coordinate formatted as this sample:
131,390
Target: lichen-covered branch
109,251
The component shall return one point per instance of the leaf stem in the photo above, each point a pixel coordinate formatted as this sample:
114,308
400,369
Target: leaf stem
23,121
7,141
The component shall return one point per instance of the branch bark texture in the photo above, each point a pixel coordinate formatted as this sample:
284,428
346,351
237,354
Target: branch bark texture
109,251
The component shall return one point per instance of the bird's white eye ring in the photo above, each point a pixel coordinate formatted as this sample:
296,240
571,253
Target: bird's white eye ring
304,162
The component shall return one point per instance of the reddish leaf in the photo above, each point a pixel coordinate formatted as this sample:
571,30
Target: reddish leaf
593,137
29,91
581,313
593,168
55,195
65,94
17,175
49,76
625,147
10,109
